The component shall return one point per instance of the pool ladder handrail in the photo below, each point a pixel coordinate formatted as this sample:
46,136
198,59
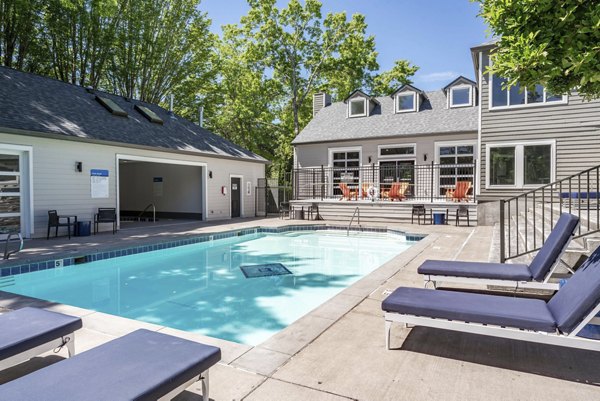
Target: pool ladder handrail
8,253
151,205
356,212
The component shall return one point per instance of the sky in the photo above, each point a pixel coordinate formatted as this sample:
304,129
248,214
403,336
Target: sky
435,35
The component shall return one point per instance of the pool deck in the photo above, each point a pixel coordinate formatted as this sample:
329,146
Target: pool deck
337,351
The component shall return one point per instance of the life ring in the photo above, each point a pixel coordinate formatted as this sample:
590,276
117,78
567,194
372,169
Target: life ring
373,192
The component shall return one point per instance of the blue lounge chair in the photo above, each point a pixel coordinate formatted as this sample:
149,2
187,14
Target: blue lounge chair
536,275
143,365
556,322
29,332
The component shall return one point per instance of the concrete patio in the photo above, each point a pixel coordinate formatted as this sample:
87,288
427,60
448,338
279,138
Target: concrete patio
337,352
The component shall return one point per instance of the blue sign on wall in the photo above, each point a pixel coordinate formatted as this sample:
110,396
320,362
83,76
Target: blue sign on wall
98,173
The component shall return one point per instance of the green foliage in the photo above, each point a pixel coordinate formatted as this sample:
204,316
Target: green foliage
19,33
556,44
159,43
388,81
79,35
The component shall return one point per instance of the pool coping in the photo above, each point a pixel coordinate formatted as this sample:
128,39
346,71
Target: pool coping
57,262
267,357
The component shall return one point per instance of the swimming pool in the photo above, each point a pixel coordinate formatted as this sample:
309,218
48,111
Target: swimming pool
201,287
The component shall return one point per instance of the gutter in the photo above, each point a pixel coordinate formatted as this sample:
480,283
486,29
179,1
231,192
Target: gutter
386,137
63,137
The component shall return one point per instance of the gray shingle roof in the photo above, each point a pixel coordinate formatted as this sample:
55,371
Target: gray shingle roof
43,105
331,123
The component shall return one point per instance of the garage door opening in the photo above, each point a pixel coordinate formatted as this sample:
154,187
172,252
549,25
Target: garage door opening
164,192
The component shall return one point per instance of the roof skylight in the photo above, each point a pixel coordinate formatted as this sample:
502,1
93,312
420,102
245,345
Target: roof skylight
149,114
111,106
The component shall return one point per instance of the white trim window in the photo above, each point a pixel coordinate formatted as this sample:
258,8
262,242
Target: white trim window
515,96
456,163
357,107
346,164
406,150
520,165
406,102
461,96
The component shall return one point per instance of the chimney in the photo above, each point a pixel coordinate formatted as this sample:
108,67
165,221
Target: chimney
320,100
171,98
201,116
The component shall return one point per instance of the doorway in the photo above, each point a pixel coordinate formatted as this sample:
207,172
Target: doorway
15,201
397,171
236,197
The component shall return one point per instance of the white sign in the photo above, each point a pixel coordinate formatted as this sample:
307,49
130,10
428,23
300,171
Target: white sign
99,183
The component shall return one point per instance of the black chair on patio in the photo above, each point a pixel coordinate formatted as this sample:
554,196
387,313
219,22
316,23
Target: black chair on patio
105,215
284,208
462,211
56,221
314,208
418,210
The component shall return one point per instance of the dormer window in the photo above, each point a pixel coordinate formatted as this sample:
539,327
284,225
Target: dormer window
460,93
461,96
406,102
357,107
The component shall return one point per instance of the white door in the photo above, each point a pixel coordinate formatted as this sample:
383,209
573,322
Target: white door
14,192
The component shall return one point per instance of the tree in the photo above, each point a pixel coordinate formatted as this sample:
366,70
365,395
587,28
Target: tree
302,50
240,102
80,35
157,46
388,81
19,30
556,44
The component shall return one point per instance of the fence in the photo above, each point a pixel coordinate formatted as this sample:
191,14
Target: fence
269,195
427,182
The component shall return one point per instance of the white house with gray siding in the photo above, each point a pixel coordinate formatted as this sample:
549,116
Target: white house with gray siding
72,149
397,137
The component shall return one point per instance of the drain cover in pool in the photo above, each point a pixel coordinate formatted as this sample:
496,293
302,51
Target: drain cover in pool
264,270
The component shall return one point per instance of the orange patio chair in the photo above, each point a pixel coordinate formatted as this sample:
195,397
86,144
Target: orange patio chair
460,192
347,193
398,190
365,190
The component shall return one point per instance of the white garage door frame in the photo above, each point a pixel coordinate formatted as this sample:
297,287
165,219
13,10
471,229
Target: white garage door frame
164,161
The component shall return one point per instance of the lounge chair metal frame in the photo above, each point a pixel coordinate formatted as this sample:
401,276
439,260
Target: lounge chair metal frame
516,285
68,341
205,388
557,338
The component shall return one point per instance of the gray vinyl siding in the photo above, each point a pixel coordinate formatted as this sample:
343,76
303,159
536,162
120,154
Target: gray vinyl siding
574,126
317,154
56,184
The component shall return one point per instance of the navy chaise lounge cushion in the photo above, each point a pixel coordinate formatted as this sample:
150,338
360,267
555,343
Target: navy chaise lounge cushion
579,296
523,313
558,239
498,271
537,270
28,328
143,365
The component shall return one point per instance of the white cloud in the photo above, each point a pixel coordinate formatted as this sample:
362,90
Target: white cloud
437,76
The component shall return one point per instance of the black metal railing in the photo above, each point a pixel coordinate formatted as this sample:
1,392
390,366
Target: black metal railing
388,180
527,219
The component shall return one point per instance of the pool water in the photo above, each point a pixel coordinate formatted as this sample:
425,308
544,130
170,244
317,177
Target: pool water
201,288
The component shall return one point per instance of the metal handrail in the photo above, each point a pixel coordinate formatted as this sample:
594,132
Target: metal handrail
151,205
8,253
356,211
577,194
